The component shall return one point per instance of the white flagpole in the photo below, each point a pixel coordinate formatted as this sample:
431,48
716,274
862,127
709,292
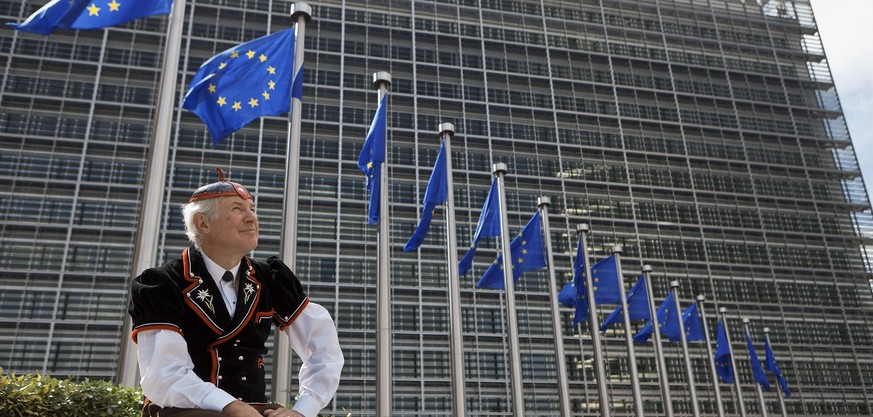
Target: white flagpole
560,361
718,401
300,12
738,389
689,371
582,229
456,335
382,80
629,340
148,229
779,388
659,348
499,170
758,389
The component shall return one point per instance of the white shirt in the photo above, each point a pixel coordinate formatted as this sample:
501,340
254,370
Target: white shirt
227,288
168,377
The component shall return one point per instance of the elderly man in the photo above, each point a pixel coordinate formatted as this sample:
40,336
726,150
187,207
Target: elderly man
201,321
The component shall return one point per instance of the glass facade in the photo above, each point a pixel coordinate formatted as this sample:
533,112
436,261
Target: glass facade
703,136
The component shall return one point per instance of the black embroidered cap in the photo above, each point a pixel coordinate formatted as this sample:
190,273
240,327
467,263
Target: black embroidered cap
221,188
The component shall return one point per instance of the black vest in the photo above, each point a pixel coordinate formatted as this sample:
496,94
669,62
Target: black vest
227,351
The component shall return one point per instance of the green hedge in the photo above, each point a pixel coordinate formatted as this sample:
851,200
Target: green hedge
38,396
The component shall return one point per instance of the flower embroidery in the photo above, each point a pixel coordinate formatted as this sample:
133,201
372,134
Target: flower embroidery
248,290
206,297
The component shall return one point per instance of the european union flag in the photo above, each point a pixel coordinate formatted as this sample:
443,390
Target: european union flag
436,193
667,308
528,254
372,157
489,226
243,83
637,305
757,370
771,365
604,277
723,366
567,295
690,322
82,14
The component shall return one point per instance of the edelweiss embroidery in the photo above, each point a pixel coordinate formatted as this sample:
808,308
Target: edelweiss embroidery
206,297
248,290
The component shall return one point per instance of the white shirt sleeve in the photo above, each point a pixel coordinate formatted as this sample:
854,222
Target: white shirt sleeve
168,377
313,337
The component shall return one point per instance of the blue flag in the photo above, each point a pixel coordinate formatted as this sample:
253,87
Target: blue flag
723,366
771,365
87,14
690,322
604,277
637,305
436,193
372,156
489,226
757,370
665,310
567,295
243,83
528,254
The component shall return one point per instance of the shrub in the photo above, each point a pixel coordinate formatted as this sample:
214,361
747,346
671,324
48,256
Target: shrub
37,395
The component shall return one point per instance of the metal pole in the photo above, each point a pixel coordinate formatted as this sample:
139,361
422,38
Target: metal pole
778,389
459,398
689,371
628,337
737,387
718,402
382,80
659,348
758,389
148,229
300,12
499,170
582,229
563,390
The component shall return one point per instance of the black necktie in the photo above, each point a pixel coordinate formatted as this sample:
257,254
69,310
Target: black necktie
227,277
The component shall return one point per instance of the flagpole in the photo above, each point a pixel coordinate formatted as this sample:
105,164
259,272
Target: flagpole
718,401
382,80
459,396
148,229
563,390
758,389
300,12
499,170
778,389
689,371
659,348
582,229
628,337
739,390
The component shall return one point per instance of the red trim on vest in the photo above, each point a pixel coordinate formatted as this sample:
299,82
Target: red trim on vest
294,316
186,271
154,327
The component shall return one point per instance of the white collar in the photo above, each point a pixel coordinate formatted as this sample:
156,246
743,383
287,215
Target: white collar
216,271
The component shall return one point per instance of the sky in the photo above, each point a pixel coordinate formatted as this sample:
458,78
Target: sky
846,30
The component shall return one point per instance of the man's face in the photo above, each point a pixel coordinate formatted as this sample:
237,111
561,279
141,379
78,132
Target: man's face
235,227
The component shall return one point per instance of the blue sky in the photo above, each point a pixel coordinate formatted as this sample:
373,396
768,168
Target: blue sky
847,33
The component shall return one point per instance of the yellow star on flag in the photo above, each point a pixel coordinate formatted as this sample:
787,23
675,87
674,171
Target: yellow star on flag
271,70
93,10
262,57
524,251
212,88
272,85
253,103
266,95
221,101
113,7
369,165
250,54
236,106
520,260
234,54
222,65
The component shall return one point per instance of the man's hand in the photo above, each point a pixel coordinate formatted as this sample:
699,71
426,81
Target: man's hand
282,412
240,409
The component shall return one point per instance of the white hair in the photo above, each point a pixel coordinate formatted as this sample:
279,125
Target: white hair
207,207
